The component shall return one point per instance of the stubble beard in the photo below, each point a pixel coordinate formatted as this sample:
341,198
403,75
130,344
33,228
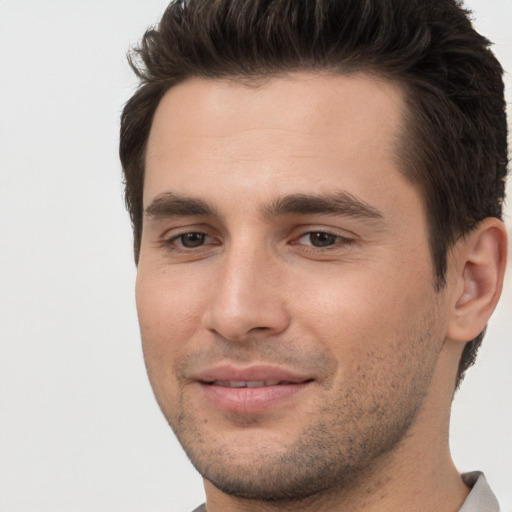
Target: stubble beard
335,453
325,460
342,445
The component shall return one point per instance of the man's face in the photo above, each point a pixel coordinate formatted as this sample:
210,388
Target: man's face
285,290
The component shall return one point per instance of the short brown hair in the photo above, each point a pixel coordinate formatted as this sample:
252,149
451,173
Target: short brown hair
456,144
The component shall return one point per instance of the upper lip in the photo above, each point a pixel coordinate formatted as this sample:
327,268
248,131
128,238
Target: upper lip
250,374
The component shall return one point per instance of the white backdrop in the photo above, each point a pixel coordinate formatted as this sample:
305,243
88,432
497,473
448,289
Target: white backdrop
79,428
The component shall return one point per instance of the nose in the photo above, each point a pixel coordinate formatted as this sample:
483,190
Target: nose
247,297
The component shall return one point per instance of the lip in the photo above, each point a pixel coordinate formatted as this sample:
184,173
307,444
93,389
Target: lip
284,386
230,372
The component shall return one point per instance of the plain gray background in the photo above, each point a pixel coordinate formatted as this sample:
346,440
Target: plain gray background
79,428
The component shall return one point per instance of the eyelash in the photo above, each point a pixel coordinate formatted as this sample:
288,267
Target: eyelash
339,241
173,244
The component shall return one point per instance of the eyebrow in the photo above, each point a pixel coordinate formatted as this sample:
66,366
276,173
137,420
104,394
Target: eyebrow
341,203
169,204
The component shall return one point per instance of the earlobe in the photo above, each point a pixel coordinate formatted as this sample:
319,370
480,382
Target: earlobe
479,262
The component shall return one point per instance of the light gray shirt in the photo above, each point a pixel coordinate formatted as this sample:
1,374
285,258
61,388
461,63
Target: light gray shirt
480,499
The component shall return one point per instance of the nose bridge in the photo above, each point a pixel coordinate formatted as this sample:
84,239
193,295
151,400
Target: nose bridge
246,297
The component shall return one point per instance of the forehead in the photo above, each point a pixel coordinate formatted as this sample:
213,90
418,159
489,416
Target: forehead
302,129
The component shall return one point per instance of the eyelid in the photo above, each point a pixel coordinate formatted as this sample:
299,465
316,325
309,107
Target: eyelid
344,239
334,235
306,229
180,236
183,229
169,239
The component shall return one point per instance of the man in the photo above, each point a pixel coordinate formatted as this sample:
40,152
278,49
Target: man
315,189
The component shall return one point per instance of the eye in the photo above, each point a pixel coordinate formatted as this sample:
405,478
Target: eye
190,240
320,239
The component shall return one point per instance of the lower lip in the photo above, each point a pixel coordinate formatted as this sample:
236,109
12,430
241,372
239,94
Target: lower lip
251,400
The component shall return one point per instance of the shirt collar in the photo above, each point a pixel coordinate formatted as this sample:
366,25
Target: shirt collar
481,498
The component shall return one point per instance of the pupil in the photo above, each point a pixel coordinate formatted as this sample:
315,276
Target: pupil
322,239
192,239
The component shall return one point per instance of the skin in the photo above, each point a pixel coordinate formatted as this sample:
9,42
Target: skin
343,297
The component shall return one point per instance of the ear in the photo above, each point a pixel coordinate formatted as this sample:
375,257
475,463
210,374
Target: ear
477,264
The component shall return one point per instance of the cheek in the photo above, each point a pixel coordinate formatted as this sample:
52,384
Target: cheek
366,310
169,316
385,342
